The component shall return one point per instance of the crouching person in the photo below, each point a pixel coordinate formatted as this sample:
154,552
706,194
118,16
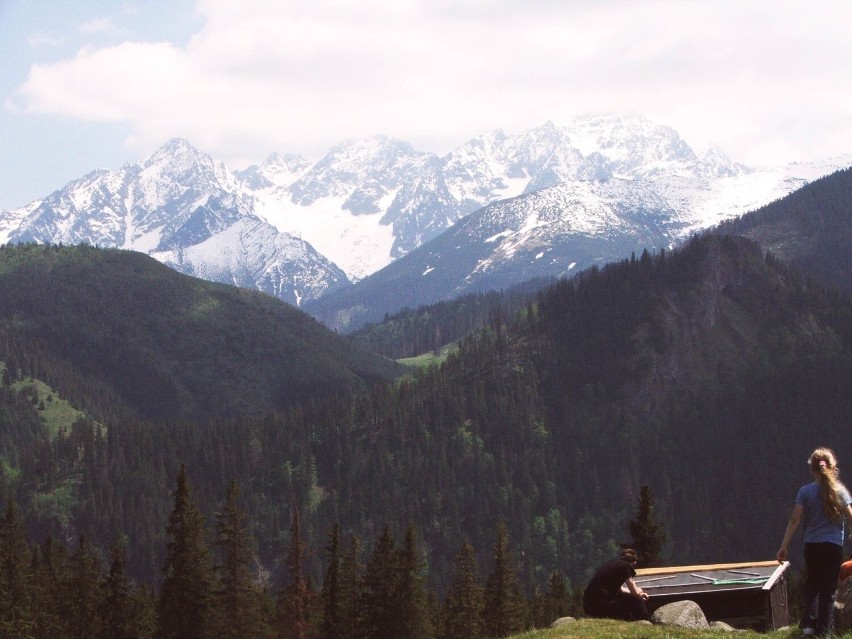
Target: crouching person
613,594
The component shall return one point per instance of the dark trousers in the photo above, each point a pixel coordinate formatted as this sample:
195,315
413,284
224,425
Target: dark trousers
624,606
822,563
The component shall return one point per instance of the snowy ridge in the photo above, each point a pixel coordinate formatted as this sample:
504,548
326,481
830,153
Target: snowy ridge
301,229
186,210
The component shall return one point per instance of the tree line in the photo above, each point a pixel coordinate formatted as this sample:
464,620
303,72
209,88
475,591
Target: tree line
212,585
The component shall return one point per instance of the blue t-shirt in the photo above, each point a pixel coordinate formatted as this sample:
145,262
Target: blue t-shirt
819,527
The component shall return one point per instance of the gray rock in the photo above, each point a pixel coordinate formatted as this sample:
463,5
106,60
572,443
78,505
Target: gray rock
683,614
721,625
562,621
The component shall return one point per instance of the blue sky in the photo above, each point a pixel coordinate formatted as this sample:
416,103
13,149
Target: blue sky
99,83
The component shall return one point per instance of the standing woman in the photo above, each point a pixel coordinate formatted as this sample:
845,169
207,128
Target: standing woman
822,507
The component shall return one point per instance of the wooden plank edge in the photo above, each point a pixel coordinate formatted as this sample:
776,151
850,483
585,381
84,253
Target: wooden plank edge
773,579
674,569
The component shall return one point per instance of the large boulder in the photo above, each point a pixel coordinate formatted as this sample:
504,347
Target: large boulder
683,614
843,607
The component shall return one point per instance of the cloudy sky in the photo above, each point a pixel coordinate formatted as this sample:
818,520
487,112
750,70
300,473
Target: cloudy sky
99,83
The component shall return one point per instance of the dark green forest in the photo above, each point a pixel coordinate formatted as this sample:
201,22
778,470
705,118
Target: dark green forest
810,228
163,345
707,374
412,332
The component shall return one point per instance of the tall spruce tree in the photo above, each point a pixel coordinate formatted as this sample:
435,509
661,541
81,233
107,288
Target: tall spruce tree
117,603
350,580
238,615
377,610
16,614
82,592
49,569
504,610
647,533
294,600
185,596
557,600
331,594
463,606
414,621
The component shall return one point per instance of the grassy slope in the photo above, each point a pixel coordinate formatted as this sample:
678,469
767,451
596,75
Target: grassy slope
57,412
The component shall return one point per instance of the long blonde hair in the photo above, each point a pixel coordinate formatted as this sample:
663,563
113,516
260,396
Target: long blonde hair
823,463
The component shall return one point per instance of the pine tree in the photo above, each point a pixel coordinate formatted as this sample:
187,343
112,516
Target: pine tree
82,592
647,533
184,605
377,613
463,605
237,611
331,594
504,602
557,601
414,622
117,604
49,569
16,614
350,579
294,600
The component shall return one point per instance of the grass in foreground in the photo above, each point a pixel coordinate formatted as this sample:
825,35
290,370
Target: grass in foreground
608,628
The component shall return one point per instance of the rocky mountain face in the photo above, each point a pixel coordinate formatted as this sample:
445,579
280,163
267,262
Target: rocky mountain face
189,212
498,208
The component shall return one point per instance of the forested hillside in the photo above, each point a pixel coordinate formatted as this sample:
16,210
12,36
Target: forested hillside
708,374
811,228
412,332
122,334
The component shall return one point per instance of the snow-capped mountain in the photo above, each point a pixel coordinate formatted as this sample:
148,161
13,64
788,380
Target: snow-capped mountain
369,202
301,230
553,232
188,211
561,230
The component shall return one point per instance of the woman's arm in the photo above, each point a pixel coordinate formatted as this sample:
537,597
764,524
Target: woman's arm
795,518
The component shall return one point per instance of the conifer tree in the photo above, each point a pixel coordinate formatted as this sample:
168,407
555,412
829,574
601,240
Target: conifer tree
117,604
49,576
463,605
294,600
377,613
331,595
237,611
82,592
557,601
184,605
647,533
413,617
350,579
504,602
16,614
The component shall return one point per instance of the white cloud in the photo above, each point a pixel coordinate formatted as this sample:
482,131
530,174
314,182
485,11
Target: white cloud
760,79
